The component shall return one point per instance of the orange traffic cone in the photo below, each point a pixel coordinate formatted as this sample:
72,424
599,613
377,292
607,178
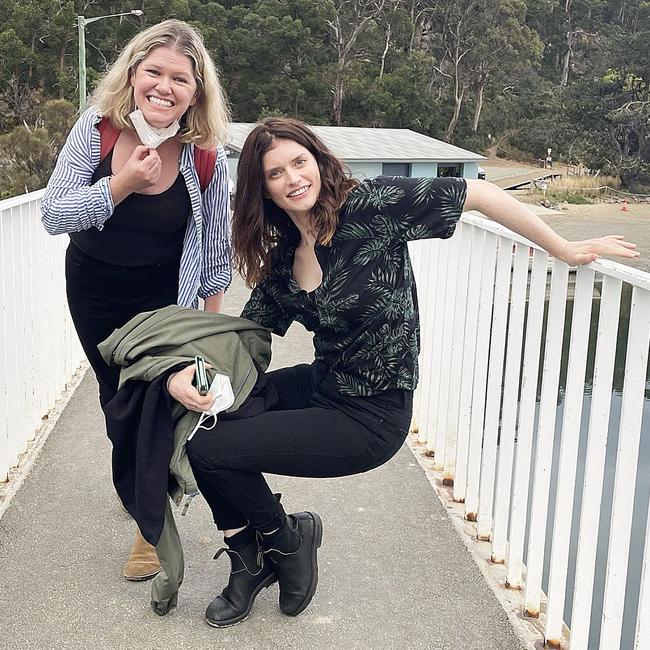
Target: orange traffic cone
626,207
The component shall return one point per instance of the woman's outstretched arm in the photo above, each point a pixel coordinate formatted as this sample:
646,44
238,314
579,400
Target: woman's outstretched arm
503,208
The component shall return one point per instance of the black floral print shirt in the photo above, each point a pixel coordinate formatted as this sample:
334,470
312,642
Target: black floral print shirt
364,314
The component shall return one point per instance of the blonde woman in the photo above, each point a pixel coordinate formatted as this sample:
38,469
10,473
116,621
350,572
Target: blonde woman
141,186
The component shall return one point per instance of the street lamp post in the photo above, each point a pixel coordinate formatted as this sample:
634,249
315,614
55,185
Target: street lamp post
82,21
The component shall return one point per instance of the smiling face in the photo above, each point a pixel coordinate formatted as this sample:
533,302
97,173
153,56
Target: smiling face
291,177
164,86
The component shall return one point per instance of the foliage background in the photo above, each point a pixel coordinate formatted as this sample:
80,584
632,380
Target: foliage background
524,75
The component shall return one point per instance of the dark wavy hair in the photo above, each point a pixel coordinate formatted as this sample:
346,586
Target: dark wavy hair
258,224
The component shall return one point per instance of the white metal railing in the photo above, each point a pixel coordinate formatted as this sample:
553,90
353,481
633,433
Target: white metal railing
493,308
39,350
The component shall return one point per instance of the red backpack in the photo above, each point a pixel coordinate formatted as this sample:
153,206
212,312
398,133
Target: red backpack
204,159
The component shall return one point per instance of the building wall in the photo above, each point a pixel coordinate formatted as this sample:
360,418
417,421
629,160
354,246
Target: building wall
424,169
233,161
470,169
371,168
364,169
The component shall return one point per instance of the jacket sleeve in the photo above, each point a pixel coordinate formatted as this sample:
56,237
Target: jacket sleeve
216,269
71,203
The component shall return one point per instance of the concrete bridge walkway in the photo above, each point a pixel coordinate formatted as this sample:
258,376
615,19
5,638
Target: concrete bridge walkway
393,571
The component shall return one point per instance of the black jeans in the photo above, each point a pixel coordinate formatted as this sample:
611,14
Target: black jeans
312,431
103,297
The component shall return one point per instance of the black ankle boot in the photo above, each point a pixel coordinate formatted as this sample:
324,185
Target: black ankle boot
293,551
250,572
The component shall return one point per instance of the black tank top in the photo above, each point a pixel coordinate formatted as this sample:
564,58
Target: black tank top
144,229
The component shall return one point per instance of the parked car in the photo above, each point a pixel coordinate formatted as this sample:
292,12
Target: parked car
481,173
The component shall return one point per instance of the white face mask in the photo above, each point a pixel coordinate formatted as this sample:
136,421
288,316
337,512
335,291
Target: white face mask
224,398
149,135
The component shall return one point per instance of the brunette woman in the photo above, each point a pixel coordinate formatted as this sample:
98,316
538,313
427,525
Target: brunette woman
330,252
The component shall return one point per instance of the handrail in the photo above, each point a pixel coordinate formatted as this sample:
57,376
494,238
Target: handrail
39,350
620,271
510,445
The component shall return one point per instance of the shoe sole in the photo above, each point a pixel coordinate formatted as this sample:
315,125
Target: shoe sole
148,576
315,545
265,584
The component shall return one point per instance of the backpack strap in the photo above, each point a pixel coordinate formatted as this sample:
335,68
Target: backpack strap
204,161
108,135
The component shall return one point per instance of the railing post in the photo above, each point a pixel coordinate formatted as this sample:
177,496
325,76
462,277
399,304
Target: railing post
4,357
601,399
509,411
642,640
480,376
435,437
636,365
573,399
469,357
494,385
457,344
545,434
529,373
415,250
434,344
426,293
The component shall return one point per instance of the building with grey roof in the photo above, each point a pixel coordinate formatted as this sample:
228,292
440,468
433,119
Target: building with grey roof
372,152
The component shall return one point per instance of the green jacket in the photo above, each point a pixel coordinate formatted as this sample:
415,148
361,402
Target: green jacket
155,341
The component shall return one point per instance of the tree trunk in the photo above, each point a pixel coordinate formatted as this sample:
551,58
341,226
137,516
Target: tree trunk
477,110
61,71
383,56
33,49
567,58
458,102
628,15
339,94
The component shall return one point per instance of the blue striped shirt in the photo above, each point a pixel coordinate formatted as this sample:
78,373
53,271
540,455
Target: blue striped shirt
71,204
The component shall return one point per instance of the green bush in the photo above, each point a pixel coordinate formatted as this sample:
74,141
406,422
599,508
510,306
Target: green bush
28,152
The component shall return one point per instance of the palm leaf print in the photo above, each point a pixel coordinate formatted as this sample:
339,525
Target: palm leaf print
355,231
350,383
390,304
372,250
333,322
418,232
370,195
386,227
424,191
334,279
403,378
334,309
346,302
452,197
383,280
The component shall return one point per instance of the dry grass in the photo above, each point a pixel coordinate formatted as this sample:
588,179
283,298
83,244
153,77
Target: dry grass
579,183
579,189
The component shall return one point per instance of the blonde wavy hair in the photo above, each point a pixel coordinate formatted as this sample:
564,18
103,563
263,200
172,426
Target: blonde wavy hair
206,122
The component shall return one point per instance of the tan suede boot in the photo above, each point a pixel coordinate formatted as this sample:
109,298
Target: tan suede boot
143,562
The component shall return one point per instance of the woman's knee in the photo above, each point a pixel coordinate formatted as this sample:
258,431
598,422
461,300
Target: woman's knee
200,455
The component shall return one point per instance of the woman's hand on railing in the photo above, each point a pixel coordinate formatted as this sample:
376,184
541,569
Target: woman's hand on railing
499,206
181,389
576,253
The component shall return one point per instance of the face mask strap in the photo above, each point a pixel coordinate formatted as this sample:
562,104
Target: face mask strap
205,416
199,425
